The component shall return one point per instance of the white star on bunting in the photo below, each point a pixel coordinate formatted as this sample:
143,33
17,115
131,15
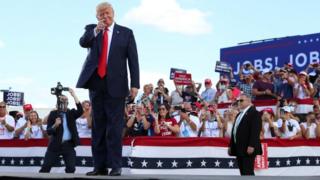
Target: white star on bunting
144,163
174,163
189,163
230,163
203,163
217,163
83,161
288,162
159,163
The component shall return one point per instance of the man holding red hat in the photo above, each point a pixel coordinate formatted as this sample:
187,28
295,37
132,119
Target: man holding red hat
22,122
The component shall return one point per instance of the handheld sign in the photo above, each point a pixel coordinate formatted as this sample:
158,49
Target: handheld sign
13,98
182,79
175,70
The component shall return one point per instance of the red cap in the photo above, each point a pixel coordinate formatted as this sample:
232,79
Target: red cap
198,105
27,107
207,81
268,110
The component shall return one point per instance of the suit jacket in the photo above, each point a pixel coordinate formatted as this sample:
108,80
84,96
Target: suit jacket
123,50
57,133
248,134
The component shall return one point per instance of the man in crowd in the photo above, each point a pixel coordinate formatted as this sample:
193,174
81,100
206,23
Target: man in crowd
209,93
22,122
111,48
6,123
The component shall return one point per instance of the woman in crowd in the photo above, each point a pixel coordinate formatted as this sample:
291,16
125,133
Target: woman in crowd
269,127
229,118
309,128
164,125
84,122
303,89
224,94
34,129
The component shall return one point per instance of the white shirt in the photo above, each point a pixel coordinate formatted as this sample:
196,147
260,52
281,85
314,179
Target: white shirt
36,132
266,129
185,128
21,122
176,99
238,120
211,129
4,133
82,126
311,129
110,33
295,128
301,92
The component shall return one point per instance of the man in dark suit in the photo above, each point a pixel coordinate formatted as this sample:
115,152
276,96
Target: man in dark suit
111,47
245,137
63,135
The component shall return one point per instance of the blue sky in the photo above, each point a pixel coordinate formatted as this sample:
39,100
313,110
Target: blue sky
39,38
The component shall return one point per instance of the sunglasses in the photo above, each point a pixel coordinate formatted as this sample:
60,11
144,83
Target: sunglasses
2,106
240,100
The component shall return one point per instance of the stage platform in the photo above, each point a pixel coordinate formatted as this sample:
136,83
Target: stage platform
10,176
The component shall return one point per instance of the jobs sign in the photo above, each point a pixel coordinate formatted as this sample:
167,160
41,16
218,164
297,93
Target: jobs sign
300,51
13,98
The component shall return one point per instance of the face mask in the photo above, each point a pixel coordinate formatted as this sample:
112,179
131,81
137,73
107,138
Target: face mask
222,87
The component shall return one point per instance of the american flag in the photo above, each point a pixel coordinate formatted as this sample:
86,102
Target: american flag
167,155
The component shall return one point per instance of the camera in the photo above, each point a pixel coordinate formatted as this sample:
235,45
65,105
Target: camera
58,89
281,101
177,108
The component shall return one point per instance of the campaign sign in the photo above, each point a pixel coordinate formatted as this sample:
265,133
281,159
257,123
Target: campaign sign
300,51
174,70
13,98
182,79
261,161
223,67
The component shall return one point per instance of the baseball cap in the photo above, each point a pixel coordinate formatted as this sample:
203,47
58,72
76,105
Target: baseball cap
207,81
303,73
265,71
286,109
268,110
27,107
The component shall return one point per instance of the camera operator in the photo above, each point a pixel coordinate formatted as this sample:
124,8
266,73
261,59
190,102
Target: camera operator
289,127
63,134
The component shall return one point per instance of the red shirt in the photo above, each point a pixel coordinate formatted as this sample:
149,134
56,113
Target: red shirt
164,130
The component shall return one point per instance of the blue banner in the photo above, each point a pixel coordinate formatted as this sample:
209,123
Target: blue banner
300,51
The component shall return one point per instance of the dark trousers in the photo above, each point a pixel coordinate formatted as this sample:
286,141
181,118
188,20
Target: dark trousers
107,126
246,165
68,154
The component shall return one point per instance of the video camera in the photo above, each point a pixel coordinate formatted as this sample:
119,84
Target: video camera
58,90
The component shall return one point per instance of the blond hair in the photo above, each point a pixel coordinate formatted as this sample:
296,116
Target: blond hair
103,5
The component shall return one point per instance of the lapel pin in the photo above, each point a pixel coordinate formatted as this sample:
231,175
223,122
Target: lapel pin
118,32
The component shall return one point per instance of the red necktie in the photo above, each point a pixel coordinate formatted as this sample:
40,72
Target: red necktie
102,66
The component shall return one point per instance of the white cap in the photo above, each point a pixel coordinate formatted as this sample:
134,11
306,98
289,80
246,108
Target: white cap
287,109
264,71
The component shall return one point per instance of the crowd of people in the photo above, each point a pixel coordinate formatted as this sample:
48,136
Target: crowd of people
185,112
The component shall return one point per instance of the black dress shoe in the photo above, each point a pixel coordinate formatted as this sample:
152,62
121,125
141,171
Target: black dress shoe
97,173
115,172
